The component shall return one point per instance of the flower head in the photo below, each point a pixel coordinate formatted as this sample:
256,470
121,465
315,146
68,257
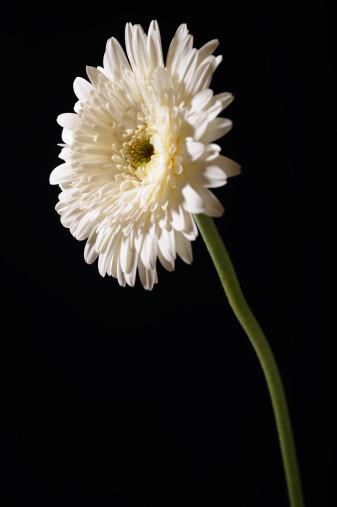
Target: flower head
139,154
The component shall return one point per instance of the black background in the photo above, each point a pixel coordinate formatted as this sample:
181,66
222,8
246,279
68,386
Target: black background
118,396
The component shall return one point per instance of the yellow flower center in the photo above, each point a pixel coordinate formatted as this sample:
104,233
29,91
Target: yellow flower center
138,150
142,151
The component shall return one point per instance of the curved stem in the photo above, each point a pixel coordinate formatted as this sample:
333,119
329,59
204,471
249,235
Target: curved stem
242,311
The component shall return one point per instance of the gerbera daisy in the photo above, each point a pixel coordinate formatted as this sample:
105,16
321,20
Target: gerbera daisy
139,154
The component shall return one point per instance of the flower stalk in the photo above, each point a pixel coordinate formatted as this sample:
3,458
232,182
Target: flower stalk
257,338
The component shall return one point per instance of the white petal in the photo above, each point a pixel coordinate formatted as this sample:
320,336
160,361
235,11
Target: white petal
216,129
60,174
214,176
178,219
120,274
208,175
166,244
180,44
115,61
200,124
167,264
213,206
208,49
141,56
230,167
85,225
154,45
190,230
94,75
90,254
201,99
162,80
131,277
192,202
68,120
67,136
201,79
82,88
112,248
192,150
149,252
147,277
184,248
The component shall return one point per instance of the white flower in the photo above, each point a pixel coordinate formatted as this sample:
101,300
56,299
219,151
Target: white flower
139,156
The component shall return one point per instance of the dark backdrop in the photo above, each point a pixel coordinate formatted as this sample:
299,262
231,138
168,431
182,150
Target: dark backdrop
120,397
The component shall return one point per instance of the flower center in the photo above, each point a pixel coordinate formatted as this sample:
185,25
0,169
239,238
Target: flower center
143,151
138,150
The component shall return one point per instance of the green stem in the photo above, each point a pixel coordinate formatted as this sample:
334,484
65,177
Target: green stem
242,311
